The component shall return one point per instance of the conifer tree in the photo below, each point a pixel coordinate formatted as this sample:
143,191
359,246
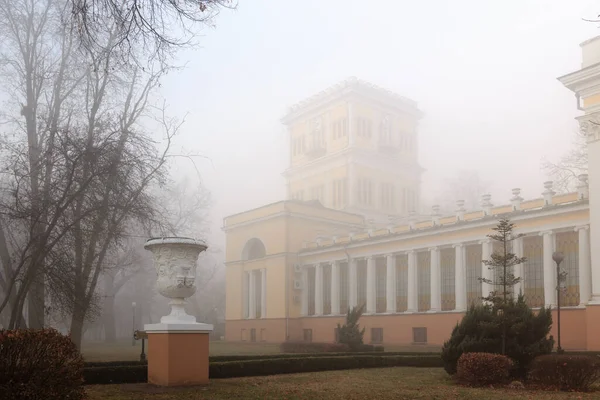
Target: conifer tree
502,265
350,333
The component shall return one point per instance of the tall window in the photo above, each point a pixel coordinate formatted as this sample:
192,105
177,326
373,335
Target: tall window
401,282
298,195
246,303
533,270
311,291
257,292
376,335
424,280
447,267
363,127
380,283
327,289
344,287
361,272
365,191
339,193
388,196
473,263
568,244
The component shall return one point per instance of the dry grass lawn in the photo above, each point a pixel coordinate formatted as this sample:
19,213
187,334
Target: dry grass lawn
380,384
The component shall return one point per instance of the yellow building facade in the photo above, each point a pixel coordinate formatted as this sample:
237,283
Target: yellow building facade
350,233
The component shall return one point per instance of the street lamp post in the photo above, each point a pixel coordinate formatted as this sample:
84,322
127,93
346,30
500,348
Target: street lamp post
558,257
133,323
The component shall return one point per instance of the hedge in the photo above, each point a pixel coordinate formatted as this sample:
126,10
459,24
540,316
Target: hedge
247,357
261,367
316,347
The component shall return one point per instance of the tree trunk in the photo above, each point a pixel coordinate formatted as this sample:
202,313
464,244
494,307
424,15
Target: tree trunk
108,309
76,331
108,319
35,304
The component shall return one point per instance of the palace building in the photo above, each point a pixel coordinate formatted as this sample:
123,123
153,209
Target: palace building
350,234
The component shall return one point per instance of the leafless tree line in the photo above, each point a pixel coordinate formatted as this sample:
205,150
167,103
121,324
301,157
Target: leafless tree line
81,166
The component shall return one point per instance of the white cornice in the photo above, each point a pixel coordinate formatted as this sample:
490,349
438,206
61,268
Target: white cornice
292,214
489,221
582,79
348,88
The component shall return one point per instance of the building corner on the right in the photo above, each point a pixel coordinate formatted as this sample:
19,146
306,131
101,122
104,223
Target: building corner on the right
585,83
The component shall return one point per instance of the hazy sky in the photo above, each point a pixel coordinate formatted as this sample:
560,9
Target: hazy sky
483,72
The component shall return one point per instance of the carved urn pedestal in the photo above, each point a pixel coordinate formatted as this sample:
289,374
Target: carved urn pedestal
178,345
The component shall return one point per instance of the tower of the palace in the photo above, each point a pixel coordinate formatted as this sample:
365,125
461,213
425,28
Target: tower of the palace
354,147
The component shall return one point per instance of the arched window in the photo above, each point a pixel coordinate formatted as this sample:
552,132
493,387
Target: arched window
253,249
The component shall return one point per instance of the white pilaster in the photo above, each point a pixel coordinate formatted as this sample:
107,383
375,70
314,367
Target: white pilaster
319,289
252,295
246,294
436,288
486,252
549,269
371,286
353,282
585,270
263,293
351,130
352,200
390,284
460,278
519,288
412,292
304,310
335,287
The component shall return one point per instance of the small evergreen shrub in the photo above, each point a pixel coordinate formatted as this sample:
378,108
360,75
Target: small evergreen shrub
350,333
39,365
480,331
565,372
480,369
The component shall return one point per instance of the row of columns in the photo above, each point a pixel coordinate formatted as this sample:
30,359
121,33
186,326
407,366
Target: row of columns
435,278
250,278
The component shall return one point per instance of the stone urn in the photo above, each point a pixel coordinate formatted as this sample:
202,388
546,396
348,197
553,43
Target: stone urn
175,262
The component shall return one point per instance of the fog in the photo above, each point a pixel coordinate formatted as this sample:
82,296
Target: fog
483,73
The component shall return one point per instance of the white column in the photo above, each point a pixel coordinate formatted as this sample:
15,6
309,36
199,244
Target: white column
335,287
304,310
390,283
486,252
460,278
263,293
252,295
353,283
585,270
412,284
519,288
436,288
549,269
371,286
319,289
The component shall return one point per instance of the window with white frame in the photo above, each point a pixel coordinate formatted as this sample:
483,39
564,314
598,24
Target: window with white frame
364,189
388,196
338,193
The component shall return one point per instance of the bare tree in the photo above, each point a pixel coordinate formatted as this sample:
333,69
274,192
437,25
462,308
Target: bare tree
155,25
566,169
467,186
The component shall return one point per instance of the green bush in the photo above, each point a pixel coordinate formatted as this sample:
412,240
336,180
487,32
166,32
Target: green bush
350,333
39,364
565,372
480,369
268,366
480,332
